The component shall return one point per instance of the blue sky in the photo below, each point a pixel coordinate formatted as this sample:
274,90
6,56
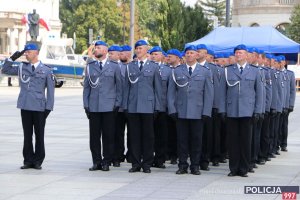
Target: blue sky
189,2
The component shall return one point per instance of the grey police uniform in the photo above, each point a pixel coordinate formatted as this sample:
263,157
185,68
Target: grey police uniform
33,102
244,98
142,97
265,130
290,94
102,94
161,122
211,145
191,96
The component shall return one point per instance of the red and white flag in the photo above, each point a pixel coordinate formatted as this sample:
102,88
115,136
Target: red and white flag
42,22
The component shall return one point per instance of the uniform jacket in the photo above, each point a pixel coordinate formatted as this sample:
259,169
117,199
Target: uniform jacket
165,72
33,84
143,96
219,87
268,87
196,98
290,88
107,93
277,90
244,98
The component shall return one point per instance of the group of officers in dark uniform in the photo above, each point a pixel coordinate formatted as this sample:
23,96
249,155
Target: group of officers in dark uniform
192,107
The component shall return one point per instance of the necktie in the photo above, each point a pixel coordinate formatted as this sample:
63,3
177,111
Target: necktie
33,68
241,68
100,63
190,71
141,65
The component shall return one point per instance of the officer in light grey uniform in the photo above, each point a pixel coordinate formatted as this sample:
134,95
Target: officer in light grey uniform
161,123
102,97
34,78
190,99
290,95
142,101
244,103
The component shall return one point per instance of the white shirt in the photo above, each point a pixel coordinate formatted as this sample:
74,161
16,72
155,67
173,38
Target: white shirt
243,66
144,61
193,66
203,63
36,64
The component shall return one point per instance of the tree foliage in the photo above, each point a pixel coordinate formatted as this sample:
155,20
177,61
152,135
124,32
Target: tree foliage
168,23
214,8
294,28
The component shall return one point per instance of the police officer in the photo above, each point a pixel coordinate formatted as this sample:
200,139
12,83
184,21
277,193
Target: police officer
265,129
289,101
244,103
102,96
190,98
35,106
211,140
174,57
160,123
142,101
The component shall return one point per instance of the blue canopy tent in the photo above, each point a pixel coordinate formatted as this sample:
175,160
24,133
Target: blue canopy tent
267,38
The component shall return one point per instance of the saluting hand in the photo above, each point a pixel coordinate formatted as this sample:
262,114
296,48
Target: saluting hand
17,55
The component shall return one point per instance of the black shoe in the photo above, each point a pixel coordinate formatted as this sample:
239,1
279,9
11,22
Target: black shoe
161,166
26,167
231,174
95,167
277,153
116,164
251,170
284,149
173,161
147,170
223,160
37,166
272,156
206,168
244,175
181,171
9,85
255,166
105,168
261,162
134,169
268,159
215,163
195,172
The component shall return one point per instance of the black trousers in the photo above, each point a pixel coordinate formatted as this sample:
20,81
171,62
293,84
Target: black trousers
33,120
172,138
160,138
119,145
239,140
284,130
216,136
141,139
255,145
102,127
273,121
264,138
207,137
277,125
224,139
189,142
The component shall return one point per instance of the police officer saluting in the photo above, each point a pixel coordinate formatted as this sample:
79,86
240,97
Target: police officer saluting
142,101
244,102
35,106
102,96
190,99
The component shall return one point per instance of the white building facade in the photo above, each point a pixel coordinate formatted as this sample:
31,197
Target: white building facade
274,13
13,34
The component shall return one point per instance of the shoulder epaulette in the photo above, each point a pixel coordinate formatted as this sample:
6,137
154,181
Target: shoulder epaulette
92,61
230,65
113,61
205,66
254,66
26,63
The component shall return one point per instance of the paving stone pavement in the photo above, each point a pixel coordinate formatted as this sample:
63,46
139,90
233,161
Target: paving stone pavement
65,172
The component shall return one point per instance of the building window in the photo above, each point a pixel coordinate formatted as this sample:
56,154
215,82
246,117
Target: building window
286,1
254,25
282,27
